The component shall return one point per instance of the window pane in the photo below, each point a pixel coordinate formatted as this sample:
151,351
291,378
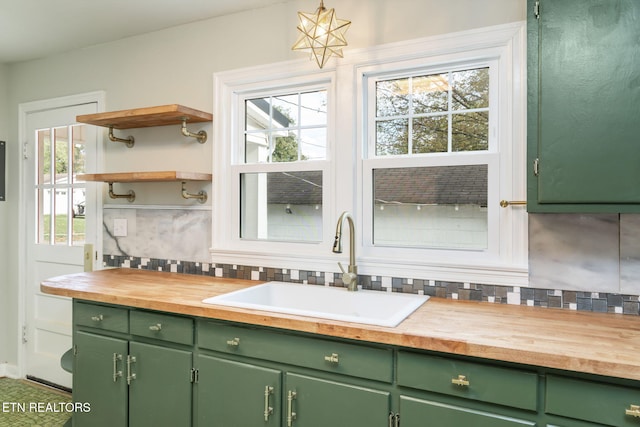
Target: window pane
62,154
285,110
78,222
314,144
431,134
281,206
61,215
434,207
44,156
392,137
469,131
430,94
470,89
392,98
285,148
79,150
313,109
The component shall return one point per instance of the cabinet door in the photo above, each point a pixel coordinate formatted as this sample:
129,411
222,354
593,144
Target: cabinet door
234,394
322,403
423,413
98,380
160,394
584,92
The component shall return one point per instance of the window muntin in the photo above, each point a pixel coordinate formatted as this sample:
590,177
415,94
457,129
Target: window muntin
432,113
286,128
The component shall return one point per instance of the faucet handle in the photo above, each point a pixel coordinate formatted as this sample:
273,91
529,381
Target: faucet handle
347,277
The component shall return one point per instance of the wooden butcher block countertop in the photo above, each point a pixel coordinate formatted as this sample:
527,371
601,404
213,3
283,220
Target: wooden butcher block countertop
595,343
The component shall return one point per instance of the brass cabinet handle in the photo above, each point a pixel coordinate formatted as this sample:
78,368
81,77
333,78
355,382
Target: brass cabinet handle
633,411
116,373
462,381
234,342
157,327
291,396
268,410
334,358
130,375
98,318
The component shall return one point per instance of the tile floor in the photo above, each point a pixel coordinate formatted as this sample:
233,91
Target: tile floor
27,404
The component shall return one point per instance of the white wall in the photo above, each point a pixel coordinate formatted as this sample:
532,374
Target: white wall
176,66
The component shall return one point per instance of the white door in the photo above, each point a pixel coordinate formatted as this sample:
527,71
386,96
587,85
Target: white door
60,215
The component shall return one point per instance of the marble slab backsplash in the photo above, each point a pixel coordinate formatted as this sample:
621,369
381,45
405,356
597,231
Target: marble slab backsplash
576,262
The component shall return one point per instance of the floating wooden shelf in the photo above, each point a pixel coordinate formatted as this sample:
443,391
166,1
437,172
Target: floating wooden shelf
163,176
163,115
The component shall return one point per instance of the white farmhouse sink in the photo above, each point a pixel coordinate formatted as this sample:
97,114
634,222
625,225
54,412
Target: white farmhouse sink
369,307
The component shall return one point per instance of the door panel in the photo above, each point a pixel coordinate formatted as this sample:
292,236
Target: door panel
94,383
320,403
160,394
232,394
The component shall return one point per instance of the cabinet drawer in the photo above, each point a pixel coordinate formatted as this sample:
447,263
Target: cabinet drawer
502,386
98,316
161,326
606,404
325,355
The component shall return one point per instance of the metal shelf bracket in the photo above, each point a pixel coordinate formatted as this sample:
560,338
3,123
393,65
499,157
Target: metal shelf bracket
129,141
201,196
200,136
130,196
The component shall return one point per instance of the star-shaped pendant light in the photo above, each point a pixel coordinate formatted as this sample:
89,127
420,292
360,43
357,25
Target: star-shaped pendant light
322,33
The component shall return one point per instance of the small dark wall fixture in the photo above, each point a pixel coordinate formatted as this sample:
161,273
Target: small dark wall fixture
3,146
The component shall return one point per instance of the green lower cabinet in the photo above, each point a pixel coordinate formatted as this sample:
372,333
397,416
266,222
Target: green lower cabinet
98,380
160,394
416,412
604,404
316,402
235,394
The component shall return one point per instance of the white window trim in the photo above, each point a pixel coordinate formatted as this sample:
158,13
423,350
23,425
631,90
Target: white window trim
507,264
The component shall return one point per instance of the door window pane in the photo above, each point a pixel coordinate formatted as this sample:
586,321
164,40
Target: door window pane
281,206
431,207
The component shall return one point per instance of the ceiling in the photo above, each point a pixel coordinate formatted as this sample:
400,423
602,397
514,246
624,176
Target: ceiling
31,29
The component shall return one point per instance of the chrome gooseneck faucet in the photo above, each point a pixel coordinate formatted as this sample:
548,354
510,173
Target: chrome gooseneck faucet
349,277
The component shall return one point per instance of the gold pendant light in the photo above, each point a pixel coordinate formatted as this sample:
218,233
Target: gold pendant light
322,33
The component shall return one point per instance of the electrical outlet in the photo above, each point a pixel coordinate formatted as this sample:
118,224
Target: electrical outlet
88,257
120,227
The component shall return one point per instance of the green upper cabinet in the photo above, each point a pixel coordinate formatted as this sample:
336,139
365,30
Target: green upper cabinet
583,106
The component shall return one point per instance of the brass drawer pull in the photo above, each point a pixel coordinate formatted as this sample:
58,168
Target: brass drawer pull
98,318
633,411
333,358
234,342
462,381
116,373
291,396
157,327
130,375
268,410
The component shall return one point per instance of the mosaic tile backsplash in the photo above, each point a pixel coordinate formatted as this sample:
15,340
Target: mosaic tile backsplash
551,298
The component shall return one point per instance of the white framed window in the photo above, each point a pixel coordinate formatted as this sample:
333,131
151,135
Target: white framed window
423,140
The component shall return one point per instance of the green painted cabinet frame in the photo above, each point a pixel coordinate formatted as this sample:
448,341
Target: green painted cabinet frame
583,106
